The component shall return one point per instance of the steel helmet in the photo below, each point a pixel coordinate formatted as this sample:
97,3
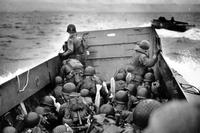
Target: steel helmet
58,80
121,97
48,101
31,119
60,129
69,88
143,110
71,28
9,129
144,44
89,71
107,109
58,91
84,92
122,70
40,110
142,92
66,69
149,77
175,117
130,68
120,76
132,89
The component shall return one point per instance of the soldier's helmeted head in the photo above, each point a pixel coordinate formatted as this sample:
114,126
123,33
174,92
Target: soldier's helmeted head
58,80
107,109
47,101
143,111
69,88
31,119
144,44
84,92
175,117
9,129
121,97
89,71
71,28
60,129
149,77
142,92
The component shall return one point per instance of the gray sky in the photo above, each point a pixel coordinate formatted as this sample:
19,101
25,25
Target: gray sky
112,1
97,5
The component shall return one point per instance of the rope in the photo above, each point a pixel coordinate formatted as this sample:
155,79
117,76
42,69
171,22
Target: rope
186,89
19,83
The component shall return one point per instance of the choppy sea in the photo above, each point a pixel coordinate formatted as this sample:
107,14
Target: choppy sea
29,38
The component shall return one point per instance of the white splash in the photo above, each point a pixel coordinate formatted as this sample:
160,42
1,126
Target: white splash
148,24
188,67
7,77
193,34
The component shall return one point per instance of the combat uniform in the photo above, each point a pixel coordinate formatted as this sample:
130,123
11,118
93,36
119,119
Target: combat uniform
140,61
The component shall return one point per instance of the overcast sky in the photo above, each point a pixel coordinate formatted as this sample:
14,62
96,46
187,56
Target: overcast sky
93,5
114,1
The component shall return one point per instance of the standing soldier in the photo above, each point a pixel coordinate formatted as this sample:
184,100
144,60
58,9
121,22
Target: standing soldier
75,46
141,61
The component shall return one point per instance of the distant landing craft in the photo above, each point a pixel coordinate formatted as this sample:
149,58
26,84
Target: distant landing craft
179,26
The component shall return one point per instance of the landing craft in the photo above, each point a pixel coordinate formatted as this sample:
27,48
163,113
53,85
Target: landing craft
179,26
109,50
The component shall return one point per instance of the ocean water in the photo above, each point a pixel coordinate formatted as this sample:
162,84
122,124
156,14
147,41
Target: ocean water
29,38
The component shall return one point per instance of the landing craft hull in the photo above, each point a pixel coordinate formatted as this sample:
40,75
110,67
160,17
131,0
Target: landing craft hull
109,51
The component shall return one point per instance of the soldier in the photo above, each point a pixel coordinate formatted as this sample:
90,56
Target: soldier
9,129
57,92
121,100
109,122
105,121
50,112
155,90
32,123
142,92
148,79
120,83
62,129
142,112
175,117
72,71
75,47
87,99
48,119
141,61
68,88
74,111
90,81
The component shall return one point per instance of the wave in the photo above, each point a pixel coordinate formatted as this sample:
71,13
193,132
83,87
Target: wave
6,77
193,33
148,24
188,67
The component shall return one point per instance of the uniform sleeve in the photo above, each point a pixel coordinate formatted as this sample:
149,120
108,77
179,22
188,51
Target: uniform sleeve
149,62
70,47
70,44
